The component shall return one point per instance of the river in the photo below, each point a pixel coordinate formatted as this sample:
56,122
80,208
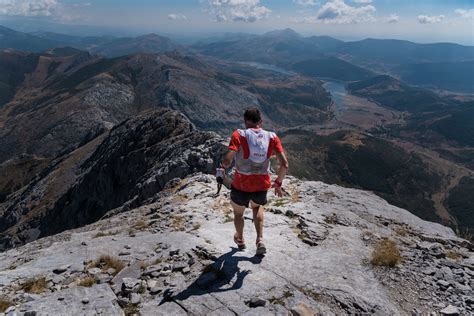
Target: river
338,91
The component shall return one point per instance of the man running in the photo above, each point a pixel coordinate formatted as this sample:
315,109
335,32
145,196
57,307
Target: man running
252,148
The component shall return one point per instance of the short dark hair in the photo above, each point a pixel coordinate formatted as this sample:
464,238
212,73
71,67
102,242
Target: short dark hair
253,115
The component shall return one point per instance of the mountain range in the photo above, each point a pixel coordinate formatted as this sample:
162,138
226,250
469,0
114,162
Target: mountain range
415,63
72,97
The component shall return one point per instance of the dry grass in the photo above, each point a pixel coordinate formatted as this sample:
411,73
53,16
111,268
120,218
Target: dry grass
104,234
196,226
331,219
5,304
130,310
87,282
140,225
401,231
106,262
228,218
451,254
158,261
386,254
34,286
281,300
310,293
279,202
177,223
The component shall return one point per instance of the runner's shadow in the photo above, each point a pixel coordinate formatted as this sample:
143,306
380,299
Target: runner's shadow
215,277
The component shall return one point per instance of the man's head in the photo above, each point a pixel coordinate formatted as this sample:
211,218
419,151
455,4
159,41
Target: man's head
252,118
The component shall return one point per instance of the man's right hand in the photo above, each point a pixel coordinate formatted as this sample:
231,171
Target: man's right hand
278,191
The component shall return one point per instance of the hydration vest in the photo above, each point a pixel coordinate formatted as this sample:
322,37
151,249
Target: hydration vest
253,156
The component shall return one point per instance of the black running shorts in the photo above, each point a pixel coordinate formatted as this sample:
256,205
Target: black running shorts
243,198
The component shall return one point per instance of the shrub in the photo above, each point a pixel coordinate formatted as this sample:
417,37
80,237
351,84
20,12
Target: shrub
451,254
106,262
386,253
87,282
104,234
5,304
34,286
140,225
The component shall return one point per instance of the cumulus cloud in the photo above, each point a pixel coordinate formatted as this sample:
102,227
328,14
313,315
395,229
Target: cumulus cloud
177,17
30,7
468,14
425,19
306,3
363,1
338,12
392,18
237,10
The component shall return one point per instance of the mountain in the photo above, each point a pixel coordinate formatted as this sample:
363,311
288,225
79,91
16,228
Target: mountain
153,237
23,41
285,33
87,42
396,52
71,97
324,56
356,160
150,43
390,92
331,68
280,47
453,76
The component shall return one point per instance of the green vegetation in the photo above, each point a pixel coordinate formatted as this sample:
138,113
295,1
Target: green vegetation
389,92
461,205
333,68
456,76
458,126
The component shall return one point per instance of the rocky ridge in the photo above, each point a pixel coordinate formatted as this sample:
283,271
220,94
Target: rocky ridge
174,255
122,168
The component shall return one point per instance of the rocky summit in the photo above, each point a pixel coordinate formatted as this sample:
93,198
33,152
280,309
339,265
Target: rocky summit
174,255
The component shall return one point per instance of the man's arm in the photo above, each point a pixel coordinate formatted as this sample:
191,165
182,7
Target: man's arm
227,161
282,171
283,166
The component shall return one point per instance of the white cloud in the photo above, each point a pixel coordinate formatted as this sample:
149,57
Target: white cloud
237,10
338,12
30,7
424,19
392,18
177,16
468,14
363,1
306,3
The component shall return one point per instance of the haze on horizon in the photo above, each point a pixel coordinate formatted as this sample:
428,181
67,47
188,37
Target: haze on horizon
426,21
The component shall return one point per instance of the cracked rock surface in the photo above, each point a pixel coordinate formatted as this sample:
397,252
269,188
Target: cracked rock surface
174,255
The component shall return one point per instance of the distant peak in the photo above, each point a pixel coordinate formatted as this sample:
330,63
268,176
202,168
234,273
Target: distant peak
283,33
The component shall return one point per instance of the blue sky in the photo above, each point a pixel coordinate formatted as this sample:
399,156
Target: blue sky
418,20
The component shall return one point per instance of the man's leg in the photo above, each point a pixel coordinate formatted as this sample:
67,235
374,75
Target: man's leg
238,219
258,213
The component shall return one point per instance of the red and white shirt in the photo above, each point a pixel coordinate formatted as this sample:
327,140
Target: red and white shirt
254,147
